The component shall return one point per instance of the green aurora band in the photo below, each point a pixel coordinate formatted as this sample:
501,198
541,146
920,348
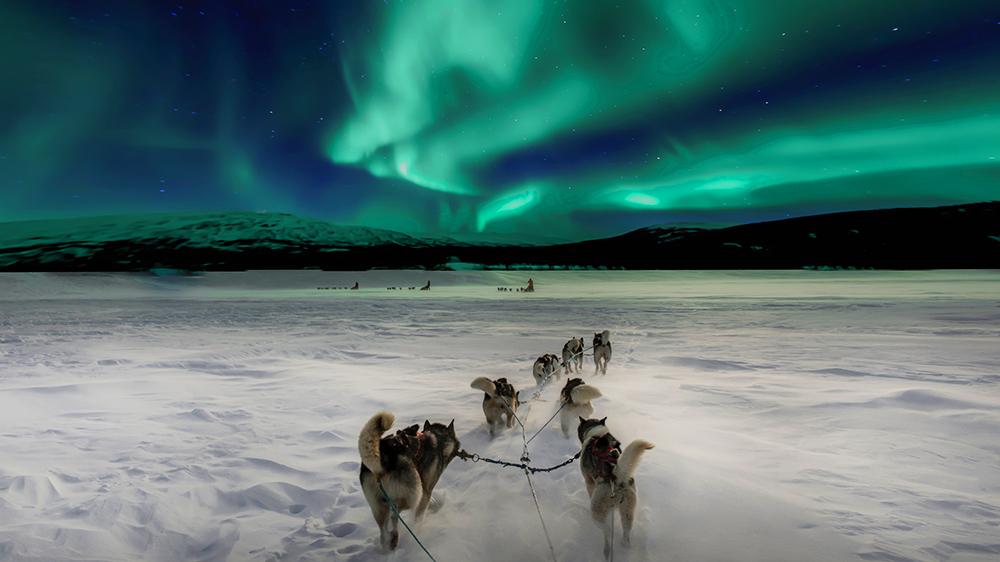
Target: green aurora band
440,94
520,120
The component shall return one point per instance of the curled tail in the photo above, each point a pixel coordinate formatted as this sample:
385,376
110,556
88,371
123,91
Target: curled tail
629,461
368,440
486,385
584,393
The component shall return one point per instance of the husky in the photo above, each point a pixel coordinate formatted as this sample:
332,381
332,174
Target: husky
544,367
575,397
602,352
500,400
572,354
609,475
407,465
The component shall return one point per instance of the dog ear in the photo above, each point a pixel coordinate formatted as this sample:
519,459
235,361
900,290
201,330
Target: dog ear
427,425
581,419
604,419
451,426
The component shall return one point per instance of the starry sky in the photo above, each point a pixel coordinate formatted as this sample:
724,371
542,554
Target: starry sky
535,121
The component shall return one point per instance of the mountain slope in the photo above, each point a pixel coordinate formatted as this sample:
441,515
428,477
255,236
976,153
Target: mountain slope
961,236
187,241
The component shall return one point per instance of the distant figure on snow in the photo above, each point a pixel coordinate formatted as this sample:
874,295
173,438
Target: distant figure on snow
355,287
426,287
531,286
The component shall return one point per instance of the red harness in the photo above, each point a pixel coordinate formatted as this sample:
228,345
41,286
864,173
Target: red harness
608,461
420,446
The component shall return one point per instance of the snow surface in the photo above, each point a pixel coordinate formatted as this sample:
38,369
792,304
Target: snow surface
797,415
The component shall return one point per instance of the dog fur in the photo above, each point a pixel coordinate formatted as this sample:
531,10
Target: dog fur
602,352
407,463
545,367
572,355
576,397
609,474
500,402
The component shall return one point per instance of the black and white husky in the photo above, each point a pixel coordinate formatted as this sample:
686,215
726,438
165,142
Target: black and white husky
609,475
500,401
407,465
575,397
572,355
602,352
545,367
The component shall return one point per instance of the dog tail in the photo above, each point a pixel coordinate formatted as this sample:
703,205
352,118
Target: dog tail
368,441
629,461
584,393
486,385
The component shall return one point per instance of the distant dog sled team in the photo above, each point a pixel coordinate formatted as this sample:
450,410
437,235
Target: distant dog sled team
529,288
399,471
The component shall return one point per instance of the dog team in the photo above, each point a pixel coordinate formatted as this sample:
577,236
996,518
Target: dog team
404,467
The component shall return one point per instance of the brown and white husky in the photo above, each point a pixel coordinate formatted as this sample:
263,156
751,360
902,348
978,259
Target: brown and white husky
609,474
500,402
407,465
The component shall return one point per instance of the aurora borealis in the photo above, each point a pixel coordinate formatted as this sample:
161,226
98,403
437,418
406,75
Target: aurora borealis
533,120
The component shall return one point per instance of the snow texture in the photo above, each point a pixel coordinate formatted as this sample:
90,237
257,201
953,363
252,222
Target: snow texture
796,415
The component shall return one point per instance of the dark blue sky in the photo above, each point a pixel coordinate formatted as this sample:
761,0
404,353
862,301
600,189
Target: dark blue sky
533,120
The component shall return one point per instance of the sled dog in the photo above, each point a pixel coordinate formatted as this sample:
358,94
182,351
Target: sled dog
572,355
500,401
575,397
406,464
602,352
545,367
609,473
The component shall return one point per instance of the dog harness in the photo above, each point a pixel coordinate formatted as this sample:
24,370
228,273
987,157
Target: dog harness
567,391
420,446
608,460
504,388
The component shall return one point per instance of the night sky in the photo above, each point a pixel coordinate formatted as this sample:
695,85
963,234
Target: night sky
529,120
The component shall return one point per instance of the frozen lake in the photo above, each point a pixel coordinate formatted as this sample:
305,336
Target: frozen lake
797,415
